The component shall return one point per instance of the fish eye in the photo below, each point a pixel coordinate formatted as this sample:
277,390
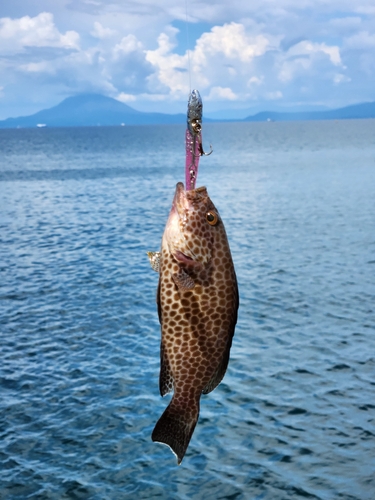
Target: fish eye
212,218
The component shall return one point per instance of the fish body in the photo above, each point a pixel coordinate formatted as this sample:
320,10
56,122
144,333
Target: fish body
197,304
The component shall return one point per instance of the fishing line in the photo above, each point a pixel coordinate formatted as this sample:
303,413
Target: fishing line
188,43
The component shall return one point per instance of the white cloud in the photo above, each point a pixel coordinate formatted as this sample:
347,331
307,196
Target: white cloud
126,97
171,69
127,45
232,42
340,78
273,96
360,41
37,67
100,32
310,48
310,51
306,58
345,24
365,9
221,94
224,54
38,31
255,80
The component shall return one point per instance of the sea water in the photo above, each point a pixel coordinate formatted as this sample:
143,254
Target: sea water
79,333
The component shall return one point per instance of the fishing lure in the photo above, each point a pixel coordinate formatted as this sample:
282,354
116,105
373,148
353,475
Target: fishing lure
193,138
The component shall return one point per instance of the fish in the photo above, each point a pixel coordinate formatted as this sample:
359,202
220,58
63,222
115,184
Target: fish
197,301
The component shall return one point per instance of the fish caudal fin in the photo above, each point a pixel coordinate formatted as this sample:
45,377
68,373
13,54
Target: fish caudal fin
175,428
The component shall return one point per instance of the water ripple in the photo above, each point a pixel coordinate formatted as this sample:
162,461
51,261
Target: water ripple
79,334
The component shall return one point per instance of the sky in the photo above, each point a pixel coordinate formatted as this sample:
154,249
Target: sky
246,56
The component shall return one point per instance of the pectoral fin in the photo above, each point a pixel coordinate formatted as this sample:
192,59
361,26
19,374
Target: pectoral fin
154,258
183,280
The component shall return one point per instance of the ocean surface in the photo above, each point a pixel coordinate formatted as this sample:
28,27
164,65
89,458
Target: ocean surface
294,417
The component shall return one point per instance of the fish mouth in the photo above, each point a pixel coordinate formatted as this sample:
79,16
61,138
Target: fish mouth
179,195
180,204
183,200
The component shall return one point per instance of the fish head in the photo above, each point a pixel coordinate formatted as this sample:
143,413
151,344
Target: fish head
192,226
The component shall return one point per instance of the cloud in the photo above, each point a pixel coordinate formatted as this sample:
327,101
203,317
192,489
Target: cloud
274,96
100,32
38,31
232,42
34,46
126,97
127,45
340,78
230,62
307,58
170,73
283,50
225,54
221,94
344,25
255,80
361,41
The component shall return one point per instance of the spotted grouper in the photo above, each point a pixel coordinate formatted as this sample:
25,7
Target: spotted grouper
197,303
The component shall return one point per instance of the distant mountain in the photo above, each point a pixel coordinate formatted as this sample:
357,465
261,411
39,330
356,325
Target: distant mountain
96,109
240,114
363,110
90,110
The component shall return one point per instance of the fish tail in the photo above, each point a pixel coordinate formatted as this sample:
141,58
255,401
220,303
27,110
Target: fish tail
175,427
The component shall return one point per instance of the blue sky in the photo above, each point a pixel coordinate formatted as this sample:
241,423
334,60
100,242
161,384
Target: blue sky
246,56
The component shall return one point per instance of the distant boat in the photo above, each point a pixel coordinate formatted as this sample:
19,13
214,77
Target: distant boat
41,125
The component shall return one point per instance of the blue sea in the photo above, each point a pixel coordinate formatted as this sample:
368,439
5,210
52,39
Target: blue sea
294,417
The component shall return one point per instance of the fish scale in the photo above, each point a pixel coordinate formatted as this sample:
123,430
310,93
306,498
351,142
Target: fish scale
197,303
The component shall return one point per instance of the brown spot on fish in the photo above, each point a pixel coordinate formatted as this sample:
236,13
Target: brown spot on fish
197,305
